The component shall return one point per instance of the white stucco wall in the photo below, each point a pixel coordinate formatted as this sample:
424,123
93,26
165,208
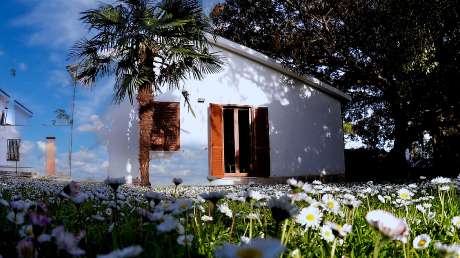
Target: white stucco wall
14,115
305,125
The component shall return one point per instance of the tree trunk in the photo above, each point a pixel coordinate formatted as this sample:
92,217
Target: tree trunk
145,100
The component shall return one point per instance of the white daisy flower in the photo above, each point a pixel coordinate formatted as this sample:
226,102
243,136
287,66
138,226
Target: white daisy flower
185,240
440,180
310,217
168,224
263,248
282,208
131,251
223,208
206,218
326,233
255,195
405,194
452,250
389,225
421,241
456,222
330,203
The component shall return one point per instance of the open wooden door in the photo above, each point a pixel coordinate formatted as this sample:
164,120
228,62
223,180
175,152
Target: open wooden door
261,141
216,143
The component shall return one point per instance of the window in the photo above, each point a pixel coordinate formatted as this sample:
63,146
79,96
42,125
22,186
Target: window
12,153
238,141
166,126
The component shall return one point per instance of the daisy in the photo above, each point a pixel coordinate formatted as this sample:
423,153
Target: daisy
405,194
213,197
115,182
330,203
131,251
156,197
68,241
181,205
326,233
310,217
282,208
206,218
255,195
456,221
389,225
296,185
177,181
452,250
440,180
263,248
338,230
223,208
185,240
421,241
168,224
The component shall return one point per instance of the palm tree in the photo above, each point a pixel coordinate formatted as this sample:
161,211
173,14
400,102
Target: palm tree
147,45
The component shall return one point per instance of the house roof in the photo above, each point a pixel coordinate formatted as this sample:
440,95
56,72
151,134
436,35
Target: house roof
269,62
2,92
22,107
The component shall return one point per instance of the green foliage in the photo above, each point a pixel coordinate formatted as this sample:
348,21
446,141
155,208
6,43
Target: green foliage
145,44
397,59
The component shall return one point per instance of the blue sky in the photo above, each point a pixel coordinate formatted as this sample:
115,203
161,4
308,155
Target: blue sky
35,38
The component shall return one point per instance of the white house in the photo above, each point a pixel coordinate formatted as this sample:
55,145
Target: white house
254,119
13,116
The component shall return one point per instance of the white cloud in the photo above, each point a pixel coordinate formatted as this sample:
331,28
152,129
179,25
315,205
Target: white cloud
95,125
90,163
56,22
26,147
41,146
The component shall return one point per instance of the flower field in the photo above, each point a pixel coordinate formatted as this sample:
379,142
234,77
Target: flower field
41,218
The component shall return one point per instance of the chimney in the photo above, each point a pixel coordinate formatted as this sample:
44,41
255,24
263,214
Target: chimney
50,165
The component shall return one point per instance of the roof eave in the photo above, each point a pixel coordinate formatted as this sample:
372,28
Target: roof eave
269,62
2,92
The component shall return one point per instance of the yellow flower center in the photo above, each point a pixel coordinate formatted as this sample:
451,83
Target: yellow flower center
330,204
310,217
422,242
404,196
183,206
249,252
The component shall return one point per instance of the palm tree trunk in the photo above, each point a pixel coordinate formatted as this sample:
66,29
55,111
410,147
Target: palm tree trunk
145,100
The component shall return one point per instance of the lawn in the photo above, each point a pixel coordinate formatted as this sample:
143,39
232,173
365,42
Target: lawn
40,218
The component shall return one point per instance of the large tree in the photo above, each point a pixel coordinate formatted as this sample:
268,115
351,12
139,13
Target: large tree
146,45
399,60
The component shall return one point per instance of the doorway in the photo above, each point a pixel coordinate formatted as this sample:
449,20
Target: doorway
237,141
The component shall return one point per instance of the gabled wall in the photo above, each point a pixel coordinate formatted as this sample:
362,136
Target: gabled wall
16,115
305,125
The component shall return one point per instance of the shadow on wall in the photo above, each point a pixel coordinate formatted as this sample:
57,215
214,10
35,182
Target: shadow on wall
313,142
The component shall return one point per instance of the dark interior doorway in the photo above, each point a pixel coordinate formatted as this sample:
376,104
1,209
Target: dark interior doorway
237,141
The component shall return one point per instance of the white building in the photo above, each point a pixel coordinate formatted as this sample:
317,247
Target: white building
13,116
254,119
